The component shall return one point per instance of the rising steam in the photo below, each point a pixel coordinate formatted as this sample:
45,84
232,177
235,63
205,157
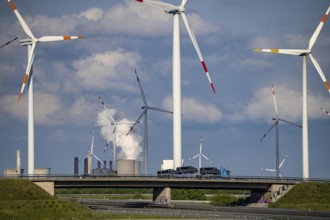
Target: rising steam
129,146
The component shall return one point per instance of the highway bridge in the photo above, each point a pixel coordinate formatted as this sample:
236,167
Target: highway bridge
263,189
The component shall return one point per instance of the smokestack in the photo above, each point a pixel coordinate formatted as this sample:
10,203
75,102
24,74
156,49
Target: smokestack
86,166
98,164
110,165
18,162
105,164
76,166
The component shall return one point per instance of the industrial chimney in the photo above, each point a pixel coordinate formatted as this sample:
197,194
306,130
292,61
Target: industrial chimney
18,162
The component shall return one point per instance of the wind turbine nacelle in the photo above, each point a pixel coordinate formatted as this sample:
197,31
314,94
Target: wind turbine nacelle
26,42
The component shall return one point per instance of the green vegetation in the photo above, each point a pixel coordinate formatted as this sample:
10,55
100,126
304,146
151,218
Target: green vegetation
228,200
313,196
21,199
188,194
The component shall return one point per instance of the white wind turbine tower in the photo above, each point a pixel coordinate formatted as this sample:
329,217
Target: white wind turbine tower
278,168
31,42
200,155
325,111
144,113
304,53
276,123
176,11
114,123
91,154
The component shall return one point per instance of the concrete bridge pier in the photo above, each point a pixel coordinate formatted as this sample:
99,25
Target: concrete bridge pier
47,186
162,196
275,192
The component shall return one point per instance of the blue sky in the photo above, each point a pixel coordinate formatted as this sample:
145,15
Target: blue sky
124,35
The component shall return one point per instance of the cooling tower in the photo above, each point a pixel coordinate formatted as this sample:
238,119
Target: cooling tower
137,168
128,167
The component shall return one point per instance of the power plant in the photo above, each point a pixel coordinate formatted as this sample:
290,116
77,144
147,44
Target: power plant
20,172
124,167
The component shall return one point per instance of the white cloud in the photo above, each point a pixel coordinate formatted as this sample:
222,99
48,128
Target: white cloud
138,19
106,70
82,111
296,41
196,111
92,14
64,25
46,108
252,64
289,104
263,42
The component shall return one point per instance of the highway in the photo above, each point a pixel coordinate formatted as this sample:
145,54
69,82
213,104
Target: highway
204,211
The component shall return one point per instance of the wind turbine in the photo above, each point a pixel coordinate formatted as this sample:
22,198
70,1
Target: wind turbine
31,42
114,123
144,113
5,44
91,154
325,111
278,168
304,53
276,123
200,155
176,11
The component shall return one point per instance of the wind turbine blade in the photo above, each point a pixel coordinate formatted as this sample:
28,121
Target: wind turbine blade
28,70
269,130
281,164
98,159
319,70
160,110
92,145
106,147
145,110
195,156
161,5
283,51
289,122
21,20
126,123
58,38
105,107
206,158
275,104
8,42
184,3
271,170
194,41
325,111
103,104
318,30
142,93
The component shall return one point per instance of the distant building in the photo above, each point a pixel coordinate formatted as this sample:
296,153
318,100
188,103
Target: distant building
167,164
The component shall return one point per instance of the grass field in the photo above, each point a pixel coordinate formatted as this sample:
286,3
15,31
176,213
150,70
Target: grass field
309,196
21,199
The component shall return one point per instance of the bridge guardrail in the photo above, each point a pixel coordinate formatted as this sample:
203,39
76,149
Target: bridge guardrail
243,178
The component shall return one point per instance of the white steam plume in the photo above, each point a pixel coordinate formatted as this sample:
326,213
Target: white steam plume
129,145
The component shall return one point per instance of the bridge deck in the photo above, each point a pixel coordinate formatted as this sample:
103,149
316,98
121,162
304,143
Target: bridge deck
174,183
